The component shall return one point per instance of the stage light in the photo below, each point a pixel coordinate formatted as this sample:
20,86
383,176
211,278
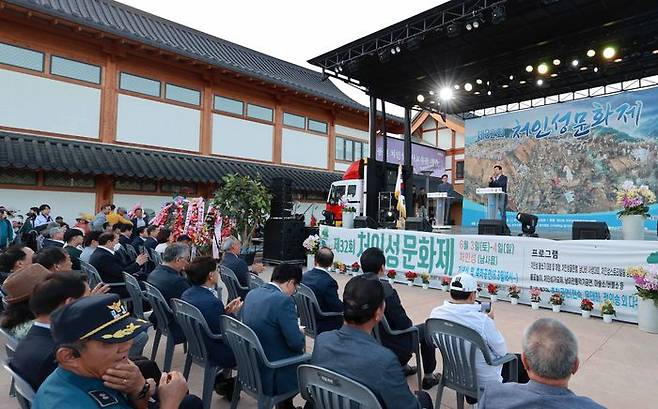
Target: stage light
489,92
556,62
540,82
575,63
456,86
469,26
542,68
528,224
554,75
453,29
445,93
476,24
498,14
511,77
583,68
596,69
505,85
431,92
420,98
529,68
654,52
468,87
522,82
478,81
477,93
591,53
618,60
609,52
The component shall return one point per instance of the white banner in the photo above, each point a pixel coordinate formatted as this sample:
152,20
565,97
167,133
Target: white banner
576,269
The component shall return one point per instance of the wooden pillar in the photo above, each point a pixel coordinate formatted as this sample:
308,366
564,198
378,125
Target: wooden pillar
104,190
277,143
109,102
205,142
408,180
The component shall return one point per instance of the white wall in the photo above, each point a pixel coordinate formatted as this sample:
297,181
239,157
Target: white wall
43,104
155,123
354,133
65,204
241,138
339,166
148,202
303,148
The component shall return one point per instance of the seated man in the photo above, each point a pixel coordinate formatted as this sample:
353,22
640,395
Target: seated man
550,355
55,237
152,232
109,265
325,289
231,259
373,263
54,259
270,311
139,240
351,351
89,243
92,337
73,239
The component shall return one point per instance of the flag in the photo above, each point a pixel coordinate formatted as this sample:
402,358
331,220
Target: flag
399,195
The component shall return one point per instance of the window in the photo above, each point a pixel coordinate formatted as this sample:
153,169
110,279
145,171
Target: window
135,184
351,190
340,148
68,180
18,177
21,57
75,69
293,120
259,112
348,150
358,154
459,169
142,85
317,126
229,105
182,94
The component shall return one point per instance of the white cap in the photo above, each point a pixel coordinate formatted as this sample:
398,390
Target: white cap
467,283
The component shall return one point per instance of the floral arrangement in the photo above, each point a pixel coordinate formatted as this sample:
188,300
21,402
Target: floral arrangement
608,308
646,281
586,304
492,289
391,274
425,277
336,265
312,244
513,291
342,268
635,200
556,299
411,275
346,207
535,295
355,266
445,280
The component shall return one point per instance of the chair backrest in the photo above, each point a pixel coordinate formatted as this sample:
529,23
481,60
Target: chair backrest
255,281
24,392
93,277
231,282
376,331
248,354
155,256
194,327
136,296
329,390
10,342
163,313
307,305
458,345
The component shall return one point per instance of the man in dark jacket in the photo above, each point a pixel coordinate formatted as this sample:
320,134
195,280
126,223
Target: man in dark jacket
73,239
231,249
109,265
325,289
500,180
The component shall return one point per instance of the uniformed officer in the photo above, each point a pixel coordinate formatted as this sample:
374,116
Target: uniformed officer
93,336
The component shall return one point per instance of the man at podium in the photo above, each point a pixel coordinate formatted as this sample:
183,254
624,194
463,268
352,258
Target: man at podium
500,180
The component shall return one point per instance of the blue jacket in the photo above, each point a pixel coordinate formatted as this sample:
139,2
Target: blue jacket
34,358
533,395
325,289
6,233
271,314
212,309
357,355
172,285
241,270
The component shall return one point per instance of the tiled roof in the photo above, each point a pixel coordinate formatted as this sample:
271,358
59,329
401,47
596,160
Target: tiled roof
51,154
131,23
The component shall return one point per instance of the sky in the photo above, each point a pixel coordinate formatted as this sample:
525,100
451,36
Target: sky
293,30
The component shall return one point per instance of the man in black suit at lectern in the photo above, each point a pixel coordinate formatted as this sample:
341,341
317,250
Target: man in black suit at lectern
500,180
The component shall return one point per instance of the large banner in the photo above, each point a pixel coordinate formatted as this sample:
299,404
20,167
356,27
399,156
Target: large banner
422,157
565,161
576,269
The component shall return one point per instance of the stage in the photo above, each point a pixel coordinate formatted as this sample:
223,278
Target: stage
551,234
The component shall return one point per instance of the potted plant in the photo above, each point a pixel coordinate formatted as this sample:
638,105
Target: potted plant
514,291
646,284
391,274
311,245
556,301
492,289
586,307
335,266
410,276
425,277
608,311
535,298
246,202
342,268
635,201
355,268
445,283
349,212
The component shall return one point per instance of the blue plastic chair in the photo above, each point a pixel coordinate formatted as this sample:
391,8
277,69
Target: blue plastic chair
136,295
163,315
231,282
255,281
24,392
308,308
414,340
330,390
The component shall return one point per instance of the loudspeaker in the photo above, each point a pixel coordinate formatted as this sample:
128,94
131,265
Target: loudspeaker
282,241
493,227
590,231
281,205
417,224
363,222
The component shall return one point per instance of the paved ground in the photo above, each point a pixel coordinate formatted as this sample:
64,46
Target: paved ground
619,363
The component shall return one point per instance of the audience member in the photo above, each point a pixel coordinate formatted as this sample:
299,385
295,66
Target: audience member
139,219
56,237
54,259
152,232
82,222
550,356
28,224
325,289
101,218
270,312
203,275
231,259
89,243
185,239
14,258
139,240
93,336
43,218
60,220
109,265
17,318
6,230
118,217
353,352
73,239
165,238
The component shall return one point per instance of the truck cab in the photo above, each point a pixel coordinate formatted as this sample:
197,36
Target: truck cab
349,191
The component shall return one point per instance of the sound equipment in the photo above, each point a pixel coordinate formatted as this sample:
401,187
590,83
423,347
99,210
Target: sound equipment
417,224
493,227
362,222
590,231
283,240
282,204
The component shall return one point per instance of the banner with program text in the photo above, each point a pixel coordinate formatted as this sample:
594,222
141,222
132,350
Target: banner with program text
576,269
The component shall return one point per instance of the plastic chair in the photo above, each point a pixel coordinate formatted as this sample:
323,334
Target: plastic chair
196,328
249,355
136,295
329,390
10,347
164,315
255,281
308,308
93,278
24,392
231,282
458,345
415,341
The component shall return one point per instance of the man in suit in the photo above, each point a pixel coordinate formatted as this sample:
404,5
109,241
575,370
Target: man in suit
56,237
270,311
373,263
231,259
446,186
54,259
109,266
43,218
139,240
138,220
500,180
325,289
151,233
73,238
351,351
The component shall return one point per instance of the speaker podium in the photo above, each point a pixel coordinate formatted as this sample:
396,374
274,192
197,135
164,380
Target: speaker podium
495,198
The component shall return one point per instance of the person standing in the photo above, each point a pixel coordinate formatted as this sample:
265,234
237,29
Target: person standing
500,180
44,216
446,186
421,203
138,220
6,230
101,217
